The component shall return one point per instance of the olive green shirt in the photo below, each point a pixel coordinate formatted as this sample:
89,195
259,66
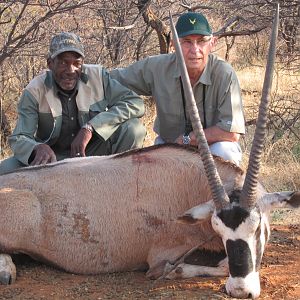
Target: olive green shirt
159,76
100,100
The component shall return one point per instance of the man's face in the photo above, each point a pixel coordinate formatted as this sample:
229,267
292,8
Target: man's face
195,50
66,68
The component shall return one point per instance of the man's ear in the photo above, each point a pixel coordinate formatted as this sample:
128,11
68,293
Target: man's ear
171,47
49,63
214,41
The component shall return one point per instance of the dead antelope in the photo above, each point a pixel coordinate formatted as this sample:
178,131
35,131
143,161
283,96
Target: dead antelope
123,217
118,213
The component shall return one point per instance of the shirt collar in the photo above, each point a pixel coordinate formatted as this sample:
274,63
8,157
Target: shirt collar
83,76
205,78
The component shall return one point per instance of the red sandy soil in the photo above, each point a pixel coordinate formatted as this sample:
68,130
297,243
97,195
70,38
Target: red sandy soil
280,279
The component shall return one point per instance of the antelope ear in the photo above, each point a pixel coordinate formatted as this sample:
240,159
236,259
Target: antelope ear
282,200
198,213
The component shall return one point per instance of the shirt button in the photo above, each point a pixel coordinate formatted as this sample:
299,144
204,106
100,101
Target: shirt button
73,134
69,99
72,118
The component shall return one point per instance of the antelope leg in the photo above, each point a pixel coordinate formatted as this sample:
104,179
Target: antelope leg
184,270
7,270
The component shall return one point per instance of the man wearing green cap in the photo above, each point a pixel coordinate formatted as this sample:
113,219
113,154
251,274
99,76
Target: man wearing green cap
215,86
73,110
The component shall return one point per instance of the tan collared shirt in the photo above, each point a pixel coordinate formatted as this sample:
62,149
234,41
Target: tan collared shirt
158,76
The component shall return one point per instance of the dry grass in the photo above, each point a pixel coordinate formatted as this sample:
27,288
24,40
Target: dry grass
280,167
286,85
148,121
251,80
280,164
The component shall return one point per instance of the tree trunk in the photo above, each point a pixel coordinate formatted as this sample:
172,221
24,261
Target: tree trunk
163,31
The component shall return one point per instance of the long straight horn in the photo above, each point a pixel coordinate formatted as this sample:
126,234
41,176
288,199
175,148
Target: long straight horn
248,195
218,192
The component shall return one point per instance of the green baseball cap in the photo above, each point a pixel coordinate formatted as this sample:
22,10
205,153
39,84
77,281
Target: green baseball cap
192,23
64,42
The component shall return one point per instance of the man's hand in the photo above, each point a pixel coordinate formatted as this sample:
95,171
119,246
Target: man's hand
43,154
213,134
80,142
179,140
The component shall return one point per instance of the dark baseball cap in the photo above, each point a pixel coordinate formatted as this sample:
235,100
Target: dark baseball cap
64,42
192,23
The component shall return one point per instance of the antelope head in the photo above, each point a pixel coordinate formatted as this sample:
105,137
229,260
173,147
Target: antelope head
241,218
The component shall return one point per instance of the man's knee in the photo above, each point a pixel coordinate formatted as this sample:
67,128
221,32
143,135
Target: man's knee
227,150
130,135
136,128
135,131
9,165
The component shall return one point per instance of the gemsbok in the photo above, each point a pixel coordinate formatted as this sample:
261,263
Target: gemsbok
119,213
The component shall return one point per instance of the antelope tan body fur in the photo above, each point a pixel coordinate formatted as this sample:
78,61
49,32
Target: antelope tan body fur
105,214
118,213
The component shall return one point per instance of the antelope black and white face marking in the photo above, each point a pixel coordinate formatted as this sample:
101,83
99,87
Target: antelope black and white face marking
244,236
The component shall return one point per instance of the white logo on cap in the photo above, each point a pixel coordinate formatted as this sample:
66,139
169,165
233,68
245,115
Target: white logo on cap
67,42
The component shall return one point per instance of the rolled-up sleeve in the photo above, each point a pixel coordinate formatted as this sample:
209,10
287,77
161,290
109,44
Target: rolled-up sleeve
228,113
230,105
22,140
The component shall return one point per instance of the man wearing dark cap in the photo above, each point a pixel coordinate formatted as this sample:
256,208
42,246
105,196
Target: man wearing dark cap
73,110
215,85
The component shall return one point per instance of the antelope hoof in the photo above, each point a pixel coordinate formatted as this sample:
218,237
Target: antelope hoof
175,273
7,270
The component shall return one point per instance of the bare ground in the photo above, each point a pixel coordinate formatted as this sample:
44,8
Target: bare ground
280,276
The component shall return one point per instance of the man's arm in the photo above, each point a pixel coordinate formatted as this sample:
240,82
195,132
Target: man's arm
22,141
136,76
229,111
42,154
230,104
122,105
213,134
